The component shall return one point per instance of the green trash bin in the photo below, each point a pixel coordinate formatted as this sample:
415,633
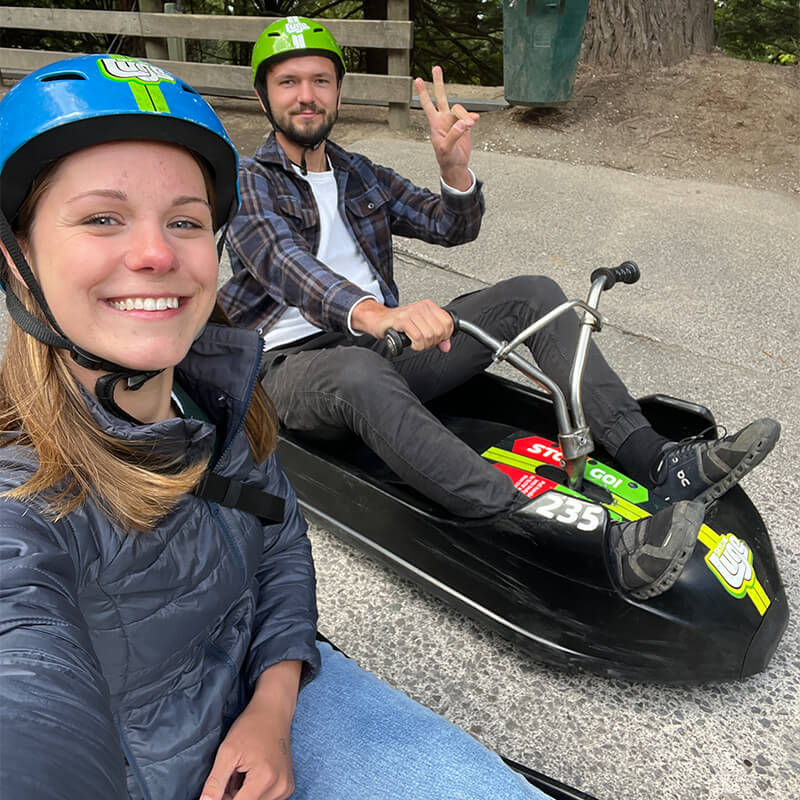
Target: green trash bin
541,44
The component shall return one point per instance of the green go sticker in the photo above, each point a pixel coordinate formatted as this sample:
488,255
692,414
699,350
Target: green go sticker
615,482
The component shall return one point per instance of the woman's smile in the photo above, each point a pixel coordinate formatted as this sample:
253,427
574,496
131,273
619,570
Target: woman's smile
145,303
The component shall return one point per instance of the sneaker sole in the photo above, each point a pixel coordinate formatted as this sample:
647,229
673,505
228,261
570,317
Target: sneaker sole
693,517
758,451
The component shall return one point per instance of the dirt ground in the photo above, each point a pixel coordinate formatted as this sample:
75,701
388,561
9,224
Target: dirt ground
709,118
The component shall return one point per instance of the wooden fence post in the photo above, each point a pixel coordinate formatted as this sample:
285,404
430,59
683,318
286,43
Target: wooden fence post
399,63
154,48
176,48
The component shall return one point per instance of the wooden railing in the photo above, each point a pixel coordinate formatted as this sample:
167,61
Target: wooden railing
162,31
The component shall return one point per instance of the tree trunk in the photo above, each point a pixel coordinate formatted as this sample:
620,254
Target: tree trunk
630,34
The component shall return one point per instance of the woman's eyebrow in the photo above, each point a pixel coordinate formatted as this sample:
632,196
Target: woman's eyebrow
184,199
114,194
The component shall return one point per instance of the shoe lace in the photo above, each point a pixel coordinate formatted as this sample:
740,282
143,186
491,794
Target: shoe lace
676,449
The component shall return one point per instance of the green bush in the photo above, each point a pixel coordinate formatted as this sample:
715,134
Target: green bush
759,30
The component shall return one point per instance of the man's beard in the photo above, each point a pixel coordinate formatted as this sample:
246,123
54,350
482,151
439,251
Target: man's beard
308,137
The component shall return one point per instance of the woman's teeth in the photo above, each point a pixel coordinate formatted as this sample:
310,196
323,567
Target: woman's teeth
145,303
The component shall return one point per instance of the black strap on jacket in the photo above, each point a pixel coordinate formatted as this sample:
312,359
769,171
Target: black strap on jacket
269,508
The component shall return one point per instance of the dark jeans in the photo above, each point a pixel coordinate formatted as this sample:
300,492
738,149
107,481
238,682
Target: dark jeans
355,387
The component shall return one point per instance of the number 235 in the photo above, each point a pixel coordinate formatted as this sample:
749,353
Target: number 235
569,511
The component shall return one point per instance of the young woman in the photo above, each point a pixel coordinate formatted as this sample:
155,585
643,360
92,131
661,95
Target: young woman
158,617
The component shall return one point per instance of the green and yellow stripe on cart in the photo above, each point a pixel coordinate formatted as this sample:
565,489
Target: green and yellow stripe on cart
728,557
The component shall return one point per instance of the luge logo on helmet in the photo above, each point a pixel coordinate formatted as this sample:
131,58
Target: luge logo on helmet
295,26
122,69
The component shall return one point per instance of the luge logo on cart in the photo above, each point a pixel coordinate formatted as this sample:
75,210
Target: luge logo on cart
732,562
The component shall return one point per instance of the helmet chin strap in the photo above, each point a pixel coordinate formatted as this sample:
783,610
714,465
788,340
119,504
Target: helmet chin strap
303,166
55,337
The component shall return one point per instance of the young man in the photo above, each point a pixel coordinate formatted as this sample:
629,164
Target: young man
311,252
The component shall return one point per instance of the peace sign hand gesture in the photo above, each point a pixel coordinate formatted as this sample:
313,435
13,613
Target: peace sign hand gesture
450,132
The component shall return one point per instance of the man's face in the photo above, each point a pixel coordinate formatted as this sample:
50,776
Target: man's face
304,98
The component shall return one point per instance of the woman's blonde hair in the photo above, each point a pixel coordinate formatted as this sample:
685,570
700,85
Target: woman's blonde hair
134,483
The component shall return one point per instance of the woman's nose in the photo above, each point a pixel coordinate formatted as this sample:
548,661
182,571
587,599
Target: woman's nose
150,249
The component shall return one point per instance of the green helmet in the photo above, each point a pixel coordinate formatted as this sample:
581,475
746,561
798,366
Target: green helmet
294,36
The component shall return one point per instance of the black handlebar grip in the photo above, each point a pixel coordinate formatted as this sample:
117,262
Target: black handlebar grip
626,272
397,341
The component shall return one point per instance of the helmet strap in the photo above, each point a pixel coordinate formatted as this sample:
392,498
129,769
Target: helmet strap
26,273
106,384
222,236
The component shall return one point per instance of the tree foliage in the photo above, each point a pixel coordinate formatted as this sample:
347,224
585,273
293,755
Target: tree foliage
759,30
465,37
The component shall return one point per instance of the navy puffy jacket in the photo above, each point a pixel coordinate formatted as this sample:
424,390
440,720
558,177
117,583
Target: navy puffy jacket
124,659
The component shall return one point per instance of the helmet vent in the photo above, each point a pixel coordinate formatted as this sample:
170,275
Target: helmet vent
190,89
274,33
63,76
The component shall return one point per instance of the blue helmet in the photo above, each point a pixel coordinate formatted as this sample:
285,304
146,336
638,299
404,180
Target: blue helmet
89,100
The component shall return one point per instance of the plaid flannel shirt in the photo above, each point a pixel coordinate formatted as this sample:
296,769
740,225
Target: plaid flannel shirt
273,240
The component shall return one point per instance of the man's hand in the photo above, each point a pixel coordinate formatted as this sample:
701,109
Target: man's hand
425,323
254,761
450,134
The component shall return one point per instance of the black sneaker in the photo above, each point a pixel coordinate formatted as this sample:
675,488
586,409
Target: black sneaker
703,470
649,554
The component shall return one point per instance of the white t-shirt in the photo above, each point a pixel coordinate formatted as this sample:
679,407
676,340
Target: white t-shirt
337,250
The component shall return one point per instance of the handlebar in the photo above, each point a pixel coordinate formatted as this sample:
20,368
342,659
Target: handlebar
626,272
574,435
397,341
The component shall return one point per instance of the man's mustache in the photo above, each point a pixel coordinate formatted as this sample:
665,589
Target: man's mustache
305,108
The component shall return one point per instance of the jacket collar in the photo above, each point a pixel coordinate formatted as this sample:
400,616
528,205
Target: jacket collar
219,373
270,152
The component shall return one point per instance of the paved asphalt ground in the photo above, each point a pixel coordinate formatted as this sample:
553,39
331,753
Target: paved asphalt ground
714,320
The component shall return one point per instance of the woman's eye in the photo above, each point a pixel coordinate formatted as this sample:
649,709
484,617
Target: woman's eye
101,219
185,224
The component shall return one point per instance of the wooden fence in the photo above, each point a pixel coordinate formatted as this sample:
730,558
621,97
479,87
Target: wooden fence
394,35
